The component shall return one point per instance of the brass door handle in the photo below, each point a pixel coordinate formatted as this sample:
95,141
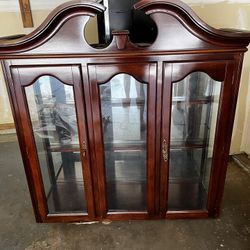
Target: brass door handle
84,148
165,150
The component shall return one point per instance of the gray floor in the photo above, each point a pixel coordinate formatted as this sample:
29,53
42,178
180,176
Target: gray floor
243,160
18,229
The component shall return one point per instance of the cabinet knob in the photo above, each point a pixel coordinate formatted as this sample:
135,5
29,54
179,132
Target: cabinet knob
165,150
84,148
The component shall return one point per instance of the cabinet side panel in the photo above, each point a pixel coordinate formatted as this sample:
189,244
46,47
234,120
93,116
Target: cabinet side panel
224,133
16,115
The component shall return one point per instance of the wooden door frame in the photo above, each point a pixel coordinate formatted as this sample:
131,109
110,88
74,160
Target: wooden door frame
22,79
220,71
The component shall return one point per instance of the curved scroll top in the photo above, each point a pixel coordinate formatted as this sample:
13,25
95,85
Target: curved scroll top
62,32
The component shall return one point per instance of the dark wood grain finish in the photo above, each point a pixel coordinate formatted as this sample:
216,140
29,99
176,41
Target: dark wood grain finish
105,72
73,78
26,135
191,21
180,71
224,133
184,44
195,214
100,74
165,134
83,138
57,27
28,75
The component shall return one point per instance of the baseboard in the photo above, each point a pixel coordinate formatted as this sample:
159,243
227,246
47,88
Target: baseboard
243,161
6,126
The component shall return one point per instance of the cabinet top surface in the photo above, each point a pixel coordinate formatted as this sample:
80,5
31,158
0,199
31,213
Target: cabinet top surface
179,30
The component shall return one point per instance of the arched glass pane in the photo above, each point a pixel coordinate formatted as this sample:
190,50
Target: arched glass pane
195,103
124,122
53,115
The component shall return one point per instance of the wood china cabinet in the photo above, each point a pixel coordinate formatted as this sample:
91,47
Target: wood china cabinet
124,131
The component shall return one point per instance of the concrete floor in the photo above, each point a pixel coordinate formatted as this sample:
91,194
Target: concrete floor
243,160
18,229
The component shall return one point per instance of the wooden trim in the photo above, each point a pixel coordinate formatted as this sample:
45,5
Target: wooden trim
27,145
158,136
187,214
69,218
83,139
90,126
182,70
165,134
224,133
27,76
99,174
151,120
26,13
128,216
99,74
6,126
76,14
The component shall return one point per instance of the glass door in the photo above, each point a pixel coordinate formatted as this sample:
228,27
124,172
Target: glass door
194,111
126,129
55,114
191,101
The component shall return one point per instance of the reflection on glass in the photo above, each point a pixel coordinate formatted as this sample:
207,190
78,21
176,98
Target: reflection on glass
124,122
52,111
195,102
